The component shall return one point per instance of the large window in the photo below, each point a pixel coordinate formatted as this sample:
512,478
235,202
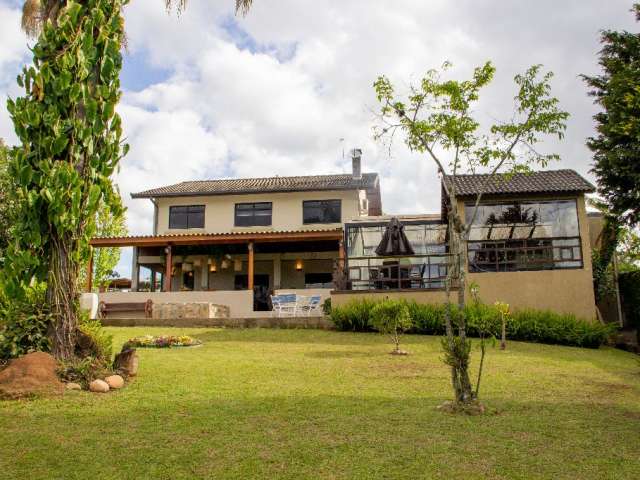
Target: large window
253,214
321,211
186,216
517,236
426,268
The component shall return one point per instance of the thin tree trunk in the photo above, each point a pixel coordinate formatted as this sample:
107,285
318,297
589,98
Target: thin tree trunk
503,342
61,296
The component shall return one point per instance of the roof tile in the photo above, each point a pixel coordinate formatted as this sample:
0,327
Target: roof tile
549,181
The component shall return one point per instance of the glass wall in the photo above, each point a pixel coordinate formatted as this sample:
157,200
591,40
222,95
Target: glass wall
524,236
427,268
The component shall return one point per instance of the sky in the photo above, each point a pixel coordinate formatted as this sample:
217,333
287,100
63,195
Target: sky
288,88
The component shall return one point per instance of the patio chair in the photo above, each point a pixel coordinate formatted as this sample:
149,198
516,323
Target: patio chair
286,304
310,305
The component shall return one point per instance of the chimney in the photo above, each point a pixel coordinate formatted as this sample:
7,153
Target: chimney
356,163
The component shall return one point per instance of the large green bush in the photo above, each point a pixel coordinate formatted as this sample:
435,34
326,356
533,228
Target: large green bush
529,325
24,323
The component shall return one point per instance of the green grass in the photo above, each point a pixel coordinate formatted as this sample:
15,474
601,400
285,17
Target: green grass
314,404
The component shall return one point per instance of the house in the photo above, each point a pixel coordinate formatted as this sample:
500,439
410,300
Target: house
236,241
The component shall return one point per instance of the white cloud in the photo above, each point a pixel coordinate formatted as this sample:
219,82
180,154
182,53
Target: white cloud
277,99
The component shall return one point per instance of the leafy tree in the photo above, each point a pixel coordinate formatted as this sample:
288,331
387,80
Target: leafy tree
617,144
437,119
7,200
391,317
109,223
71,143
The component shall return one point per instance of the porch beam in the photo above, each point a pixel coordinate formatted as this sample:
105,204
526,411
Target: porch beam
250,267
168,269
214,238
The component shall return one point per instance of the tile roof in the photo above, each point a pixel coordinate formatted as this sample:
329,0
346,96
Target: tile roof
263,185
549,181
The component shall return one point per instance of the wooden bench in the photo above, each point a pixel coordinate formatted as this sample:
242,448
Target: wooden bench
146,307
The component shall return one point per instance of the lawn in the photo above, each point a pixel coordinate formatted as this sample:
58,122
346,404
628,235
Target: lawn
316,404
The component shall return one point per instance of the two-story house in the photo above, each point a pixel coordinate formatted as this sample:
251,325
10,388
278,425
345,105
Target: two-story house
235,241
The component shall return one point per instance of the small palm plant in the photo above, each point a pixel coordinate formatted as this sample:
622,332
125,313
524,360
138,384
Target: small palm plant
392,317
505,315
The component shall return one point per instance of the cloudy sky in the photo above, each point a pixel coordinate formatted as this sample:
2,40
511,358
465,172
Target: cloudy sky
209,95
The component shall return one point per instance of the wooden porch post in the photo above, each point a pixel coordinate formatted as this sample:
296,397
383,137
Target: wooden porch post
169,268
90,271
250,267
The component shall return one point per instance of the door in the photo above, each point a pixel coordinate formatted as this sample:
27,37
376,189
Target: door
260,290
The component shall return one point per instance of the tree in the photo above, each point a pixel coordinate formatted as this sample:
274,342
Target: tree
7,200
71,144
109,223
617,144
391,317
437,120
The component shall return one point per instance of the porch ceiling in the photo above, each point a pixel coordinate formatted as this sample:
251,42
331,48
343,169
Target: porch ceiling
218,238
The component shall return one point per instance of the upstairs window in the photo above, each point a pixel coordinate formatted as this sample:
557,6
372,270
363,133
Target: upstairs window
321,211
253,214
186,216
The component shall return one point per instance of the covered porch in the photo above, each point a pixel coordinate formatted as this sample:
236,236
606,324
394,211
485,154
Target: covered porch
237,270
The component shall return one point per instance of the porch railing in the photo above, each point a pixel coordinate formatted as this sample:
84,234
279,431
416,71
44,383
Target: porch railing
409,272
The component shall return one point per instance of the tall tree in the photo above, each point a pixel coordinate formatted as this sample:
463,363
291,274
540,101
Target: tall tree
437,119
70,137
616,147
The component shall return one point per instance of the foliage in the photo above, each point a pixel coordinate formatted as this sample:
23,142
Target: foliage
529,325
7,201
437,118
101,343
615,148
354,316
70,138
83,370
391,317
24,323
162,341
630,293
326,306
109,222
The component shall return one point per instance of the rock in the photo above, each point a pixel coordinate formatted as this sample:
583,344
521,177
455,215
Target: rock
127,362
99,386
73,386
115,381
29,375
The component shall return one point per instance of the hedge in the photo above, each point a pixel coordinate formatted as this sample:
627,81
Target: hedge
541,326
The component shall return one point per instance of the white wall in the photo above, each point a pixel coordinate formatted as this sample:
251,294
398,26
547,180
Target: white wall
286,215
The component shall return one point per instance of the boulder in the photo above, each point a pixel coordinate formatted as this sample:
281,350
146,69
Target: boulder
73,386
99,386
115,381
126,362
30,375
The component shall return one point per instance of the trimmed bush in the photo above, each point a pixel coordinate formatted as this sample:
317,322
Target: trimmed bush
541,326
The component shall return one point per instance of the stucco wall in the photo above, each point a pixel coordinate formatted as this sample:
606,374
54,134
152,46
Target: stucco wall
240,302
286,213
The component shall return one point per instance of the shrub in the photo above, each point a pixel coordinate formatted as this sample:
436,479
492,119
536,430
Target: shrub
93,340
529,325
354,316
326,306
24,324
391,317
83,370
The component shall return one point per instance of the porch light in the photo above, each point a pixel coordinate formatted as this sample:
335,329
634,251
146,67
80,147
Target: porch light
299,264
225,264
213,267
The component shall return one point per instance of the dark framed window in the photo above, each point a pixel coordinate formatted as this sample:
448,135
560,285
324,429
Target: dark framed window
321,211
186,216
253,214
528,235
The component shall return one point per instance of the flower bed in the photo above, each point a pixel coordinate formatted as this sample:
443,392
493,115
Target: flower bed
163,341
